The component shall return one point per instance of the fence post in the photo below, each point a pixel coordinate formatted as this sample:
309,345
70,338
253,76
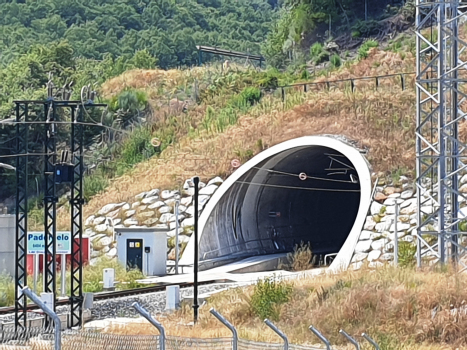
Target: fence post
402,82
57,323
371,341
321,337
350,339
305,88
283,94
352,85
228,325
377,83
279,333
143,312
396,236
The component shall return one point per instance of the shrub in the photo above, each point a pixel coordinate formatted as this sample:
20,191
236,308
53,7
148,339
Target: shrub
268,295
318,53
7,290
336,60
300,258
406,254
365,47
249,96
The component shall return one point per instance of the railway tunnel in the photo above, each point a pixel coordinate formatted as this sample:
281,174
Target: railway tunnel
313,189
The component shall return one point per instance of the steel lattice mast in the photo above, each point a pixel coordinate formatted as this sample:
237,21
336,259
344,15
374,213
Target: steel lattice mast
441,155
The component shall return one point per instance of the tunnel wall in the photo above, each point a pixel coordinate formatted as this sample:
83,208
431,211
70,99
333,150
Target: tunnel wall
258,211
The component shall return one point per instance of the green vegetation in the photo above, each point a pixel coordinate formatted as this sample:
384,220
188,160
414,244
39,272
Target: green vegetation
267,297
365,48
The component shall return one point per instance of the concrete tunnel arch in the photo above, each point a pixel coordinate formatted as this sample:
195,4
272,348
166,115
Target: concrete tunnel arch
265,208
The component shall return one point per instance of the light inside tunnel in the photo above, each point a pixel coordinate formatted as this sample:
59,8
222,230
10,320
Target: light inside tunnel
305,194
314,189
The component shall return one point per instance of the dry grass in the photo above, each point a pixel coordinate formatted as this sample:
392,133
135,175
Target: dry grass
401,308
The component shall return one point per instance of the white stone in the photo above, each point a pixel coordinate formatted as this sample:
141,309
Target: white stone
463,179
108,208
208,190
369,223
165,210
130,222
188,184
190,211
387,257
89,220
183,239
383,226
216,181
202,200
148,213
375,208
116,221
181,209
162,226
379,244
463,212
427,209
400,227
130,213
156,205
400,234
376,235
389,247
394,195
126,206
113,214
409,206
403,179
190,222
361,247
143,207
357,265
407,194
170,202
150,200
140,195
101,227
166,218
152,193
105,241
99,220
365,235
390,201
374,255
390,210
106,249
359,257
173,232
168,194
186,201
135,205
409,239
89,232
112,252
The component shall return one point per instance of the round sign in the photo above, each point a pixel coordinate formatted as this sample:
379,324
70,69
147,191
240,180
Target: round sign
155,142
302,176
235,163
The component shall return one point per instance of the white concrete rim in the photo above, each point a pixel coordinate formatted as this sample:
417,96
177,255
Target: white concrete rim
343,258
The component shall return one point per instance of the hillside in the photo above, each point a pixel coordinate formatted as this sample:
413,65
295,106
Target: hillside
381,120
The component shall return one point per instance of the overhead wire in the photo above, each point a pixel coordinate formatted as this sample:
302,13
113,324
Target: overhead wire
296,188
307,176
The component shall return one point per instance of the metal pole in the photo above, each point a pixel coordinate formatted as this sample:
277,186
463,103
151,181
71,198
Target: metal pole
50,313
371,341
321,337
63,276
36,271
279,333
350,339
396,238
143,312
195,263
177,249
229,326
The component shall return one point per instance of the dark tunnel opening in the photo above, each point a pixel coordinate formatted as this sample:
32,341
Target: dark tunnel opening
270,209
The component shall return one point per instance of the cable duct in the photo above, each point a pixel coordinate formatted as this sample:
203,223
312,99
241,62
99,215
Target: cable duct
314,189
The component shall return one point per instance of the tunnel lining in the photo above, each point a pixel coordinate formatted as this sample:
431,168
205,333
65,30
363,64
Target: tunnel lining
275,155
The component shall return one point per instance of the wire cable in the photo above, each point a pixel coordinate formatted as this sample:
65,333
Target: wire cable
307,176
297,188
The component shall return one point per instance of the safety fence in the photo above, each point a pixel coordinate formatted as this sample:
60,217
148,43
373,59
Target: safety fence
53,338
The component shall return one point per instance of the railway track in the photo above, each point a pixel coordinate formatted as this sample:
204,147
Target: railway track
117,294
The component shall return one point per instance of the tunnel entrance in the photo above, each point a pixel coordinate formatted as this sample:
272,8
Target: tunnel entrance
304,190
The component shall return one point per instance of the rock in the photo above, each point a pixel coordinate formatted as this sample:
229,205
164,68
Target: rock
216,181
427,209
189,222
361,247
359,257
369,224
390,210
130,213
166,218
89,232
188,184
105,241
387,257
463,189
181,209
156,205
150,200
403,179
202,200
171,255
151,221
208,190
389,190
112,252
408,202
89,220
374,255
365,235
130,222
168,194
108,208
99,220
375,208
186,201
404,218
463,179
152,193
95,254
357,265
105,249
113,214
390,201
140,195
389,247
101,228
410,209
125,206
183,239
400,234
409,239
172,232
116,221
148,213
383,226
162,226
170,202
379,197
407,194
165,210
135,205
379,244
190,211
